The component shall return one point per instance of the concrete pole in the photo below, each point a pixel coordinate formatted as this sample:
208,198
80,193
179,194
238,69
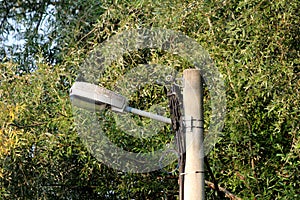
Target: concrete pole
193,117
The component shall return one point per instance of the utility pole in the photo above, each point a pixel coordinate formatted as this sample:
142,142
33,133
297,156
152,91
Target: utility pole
194,128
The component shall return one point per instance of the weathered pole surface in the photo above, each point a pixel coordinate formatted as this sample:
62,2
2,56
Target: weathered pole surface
194,120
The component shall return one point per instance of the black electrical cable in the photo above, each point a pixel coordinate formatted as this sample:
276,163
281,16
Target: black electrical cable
175,97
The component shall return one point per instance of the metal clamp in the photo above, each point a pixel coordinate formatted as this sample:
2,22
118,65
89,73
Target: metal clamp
194,172
193,123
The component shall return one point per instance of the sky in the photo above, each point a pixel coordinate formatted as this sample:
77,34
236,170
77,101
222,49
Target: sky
14,41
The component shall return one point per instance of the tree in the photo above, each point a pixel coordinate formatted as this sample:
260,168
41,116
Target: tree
255,44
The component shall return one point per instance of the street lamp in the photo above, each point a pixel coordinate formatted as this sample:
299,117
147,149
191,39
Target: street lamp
92,97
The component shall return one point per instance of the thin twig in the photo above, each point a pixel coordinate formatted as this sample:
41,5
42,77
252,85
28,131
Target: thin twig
227,193
29,125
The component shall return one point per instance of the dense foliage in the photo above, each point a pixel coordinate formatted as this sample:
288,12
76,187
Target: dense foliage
254,44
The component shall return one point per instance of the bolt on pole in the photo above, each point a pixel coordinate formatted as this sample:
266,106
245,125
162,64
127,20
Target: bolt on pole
194,127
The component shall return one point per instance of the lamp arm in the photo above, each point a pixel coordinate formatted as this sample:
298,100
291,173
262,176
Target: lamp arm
148,115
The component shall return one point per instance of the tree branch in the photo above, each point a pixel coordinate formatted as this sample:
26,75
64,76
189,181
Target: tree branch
227,193
29,125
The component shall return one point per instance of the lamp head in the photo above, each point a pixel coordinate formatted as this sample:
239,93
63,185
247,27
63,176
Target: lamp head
92,97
